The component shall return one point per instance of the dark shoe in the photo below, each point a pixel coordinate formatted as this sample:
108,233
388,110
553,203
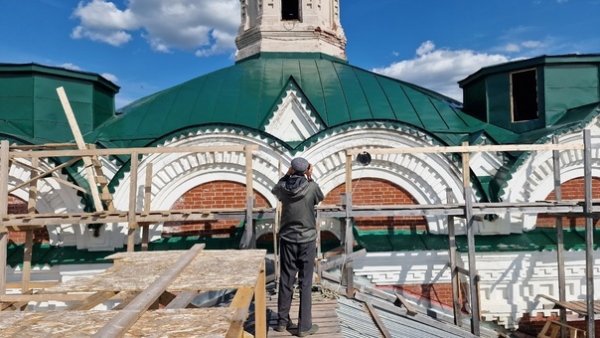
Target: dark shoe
284,327
313,329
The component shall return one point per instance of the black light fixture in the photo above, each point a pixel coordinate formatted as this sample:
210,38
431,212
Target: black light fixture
364,158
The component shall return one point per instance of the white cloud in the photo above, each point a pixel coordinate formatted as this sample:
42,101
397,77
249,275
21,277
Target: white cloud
110,77
440,69
204,26
70,66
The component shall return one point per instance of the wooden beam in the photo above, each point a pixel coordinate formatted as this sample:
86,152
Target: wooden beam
260,305
32,284
120,323
126,151
348,270
31,209
475,313
93,300
468,149
4,168
248,238
44,297
131,214
377,320
334,262
589,233
182,300
454,277
62,95
560,256
147,205
240,303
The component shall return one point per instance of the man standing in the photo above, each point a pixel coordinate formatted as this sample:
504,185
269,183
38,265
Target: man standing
298,194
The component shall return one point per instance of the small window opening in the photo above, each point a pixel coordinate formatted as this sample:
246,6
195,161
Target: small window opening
524,95
290,9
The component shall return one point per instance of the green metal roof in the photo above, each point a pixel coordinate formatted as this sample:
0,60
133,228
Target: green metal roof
30,110
530,63
246,95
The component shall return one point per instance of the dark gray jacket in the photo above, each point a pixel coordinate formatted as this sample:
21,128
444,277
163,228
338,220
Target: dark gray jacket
298,197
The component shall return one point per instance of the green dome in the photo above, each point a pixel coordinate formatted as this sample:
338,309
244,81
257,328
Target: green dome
246,95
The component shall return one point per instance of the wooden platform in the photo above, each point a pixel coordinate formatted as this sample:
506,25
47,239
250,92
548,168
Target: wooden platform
143,281
323,314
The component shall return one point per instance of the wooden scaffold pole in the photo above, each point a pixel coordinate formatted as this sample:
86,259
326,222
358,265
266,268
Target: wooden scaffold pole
560,256
473,290
589,232
4,167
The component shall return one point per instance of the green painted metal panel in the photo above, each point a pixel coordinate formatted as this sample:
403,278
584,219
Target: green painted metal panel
311,86
498,91
400,104
354,96
335,101
378,104
475,100
569,86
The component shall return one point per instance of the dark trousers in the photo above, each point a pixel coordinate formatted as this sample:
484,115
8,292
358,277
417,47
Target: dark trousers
296,258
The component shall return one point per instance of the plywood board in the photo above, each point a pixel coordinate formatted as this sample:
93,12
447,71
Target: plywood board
207,322
210,270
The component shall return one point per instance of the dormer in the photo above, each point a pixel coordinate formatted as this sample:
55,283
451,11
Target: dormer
531,94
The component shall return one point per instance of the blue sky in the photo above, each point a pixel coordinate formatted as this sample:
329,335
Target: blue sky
148,45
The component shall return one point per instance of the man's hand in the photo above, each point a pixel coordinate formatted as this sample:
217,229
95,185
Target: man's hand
290,171
309,172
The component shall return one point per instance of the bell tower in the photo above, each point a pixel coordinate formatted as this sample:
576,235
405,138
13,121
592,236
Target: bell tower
301,26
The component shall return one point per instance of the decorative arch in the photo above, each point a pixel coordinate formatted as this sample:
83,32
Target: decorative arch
534,179
424,176
175,174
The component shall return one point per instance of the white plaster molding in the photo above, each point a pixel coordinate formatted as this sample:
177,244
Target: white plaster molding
533,180
509,284
175,174
53,197
425,176
292,121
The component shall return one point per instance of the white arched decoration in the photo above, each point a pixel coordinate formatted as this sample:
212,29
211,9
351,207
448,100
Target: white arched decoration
176,173
52,198
425,176
534,179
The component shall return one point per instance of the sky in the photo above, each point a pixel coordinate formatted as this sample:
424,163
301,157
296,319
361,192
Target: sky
145,46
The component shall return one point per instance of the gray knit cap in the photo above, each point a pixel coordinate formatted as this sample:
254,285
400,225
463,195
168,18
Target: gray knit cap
299,165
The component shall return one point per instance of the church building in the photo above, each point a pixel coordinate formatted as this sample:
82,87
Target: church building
293,92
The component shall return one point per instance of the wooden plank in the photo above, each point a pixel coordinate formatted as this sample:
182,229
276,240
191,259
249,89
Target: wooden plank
4,168
131,215
46,173
126,151
334,262
62,95
147,205
32,284
475,314
182,300
117,326
28,248
44,297
468,149
260,306
240,304
248,238
560,256
93,300
454,277
378,322
589,232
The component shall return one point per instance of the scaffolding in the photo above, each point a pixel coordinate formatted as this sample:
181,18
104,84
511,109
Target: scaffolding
469,210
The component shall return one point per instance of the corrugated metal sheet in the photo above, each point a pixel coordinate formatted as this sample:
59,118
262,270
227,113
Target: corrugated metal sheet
355,321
